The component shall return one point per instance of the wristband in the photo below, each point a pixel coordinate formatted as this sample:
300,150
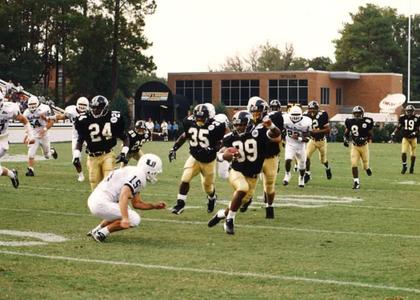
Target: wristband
124,150
45,129
300,139
53,118
76,153
272,126
219,156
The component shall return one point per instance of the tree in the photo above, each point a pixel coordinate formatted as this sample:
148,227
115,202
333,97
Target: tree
368,44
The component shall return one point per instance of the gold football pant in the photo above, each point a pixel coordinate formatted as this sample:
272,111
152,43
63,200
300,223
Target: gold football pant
207,171
409,146
269,170
239,182
99,167
321,146
360,153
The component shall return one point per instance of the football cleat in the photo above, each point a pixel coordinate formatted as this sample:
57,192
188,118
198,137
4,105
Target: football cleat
179,207
214,221
98,236
411,170
369,172
15,180
356,185
328,172
228,226
307,177
286,178
404,169
245,206
30,172
54,153
211,203
301,181
81,177
269,212
91,232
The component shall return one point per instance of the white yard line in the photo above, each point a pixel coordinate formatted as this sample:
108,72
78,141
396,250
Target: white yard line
218,272
283,228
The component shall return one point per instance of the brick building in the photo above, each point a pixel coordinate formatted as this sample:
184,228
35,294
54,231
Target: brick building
337,92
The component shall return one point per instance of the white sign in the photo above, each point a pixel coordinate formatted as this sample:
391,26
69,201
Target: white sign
391,102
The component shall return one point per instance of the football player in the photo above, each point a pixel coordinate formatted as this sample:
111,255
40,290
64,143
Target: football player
359,130
137,138
99,128
204,135
249,144
35,114
109,201
297,128
259,110
409,124
275,105
317,141
72,112
10,111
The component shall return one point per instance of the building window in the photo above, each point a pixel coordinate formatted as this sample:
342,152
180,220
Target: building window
325,95
289,90
198,91
339,96
238,92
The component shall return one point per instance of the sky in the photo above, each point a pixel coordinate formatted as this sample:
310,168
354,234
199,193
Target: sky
198,35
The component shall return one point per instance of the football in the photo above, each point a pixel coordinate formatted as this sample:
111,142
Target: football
230,153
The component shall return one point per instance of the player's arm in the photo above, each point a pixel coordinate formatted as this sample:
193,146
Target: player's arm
396,130
138,203
346,137
273,133
178,143
326,129
56,117
28,128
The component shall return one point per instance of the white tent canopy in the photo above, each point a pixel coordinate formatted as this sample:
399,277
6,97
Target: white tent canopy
377,117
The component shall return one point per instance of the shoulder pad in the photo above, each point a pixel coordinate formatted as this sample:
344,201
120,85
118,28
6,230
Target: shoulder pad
368,120
229,134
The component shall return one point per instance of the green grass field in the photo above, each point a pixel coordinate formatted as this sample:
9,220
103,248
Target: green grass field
326,242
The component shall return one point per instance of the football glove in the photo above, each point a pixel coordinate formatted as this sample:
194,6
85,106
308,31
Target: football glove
346,143
413,134
121,158
172,155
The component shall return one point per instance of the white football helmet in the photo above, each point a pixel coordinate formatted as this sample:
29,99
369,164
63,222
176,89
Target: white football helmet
82,104
222,118
212,110
295,113
252,101
151,165
33,103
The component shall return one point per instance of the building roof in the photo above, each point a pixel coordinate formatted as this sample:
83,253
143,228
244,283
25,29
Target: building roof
344,75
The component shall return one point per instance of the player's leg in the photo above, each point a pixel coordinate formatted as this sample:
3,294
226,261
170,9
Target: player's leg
94,171
354,159
208,174
323,149
413,148
78,165
364,154
241,186
310,149
301,159
404,150
191,169
289,155
12,174
31,157
269,181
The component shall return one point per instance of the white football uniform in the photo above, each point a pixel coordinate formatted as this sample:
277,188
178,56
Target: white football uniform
9,111
72,114
41,138
103,202
295,148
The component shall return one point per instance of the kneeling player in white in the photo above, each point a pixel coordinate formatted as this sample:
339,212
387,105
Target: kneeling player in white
110,198
297,129
10,111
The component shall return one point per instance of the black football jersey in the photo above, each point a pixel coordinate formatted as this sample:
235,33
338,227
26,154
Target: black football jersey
318,122
204,140
359,129
409,125
100,134
137,140
273,148
251,147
